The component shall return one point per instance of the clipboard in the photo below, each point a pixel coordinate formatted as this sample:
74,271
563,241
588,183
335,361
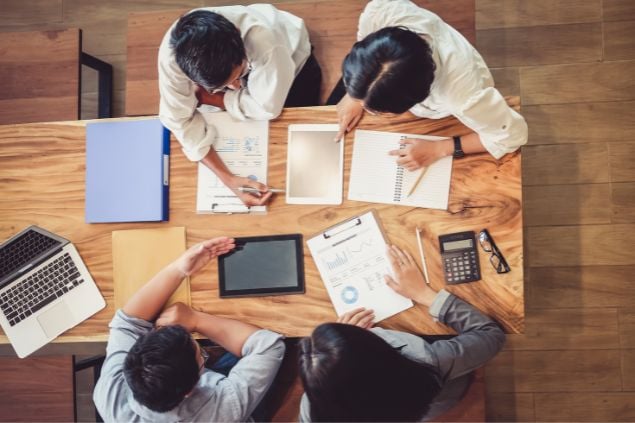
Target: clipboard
352,260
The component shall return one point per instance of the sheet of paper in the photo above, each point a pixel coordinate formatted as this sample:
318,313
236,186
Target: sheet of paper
352,262
139,254
375,177
243,146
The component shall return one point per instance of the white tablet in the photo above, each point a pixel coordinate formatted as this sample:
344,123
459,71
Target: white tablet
315,165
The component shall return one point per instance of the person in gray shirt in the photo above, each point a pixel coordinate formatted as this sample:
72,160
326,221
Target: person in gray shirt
155,371
353,372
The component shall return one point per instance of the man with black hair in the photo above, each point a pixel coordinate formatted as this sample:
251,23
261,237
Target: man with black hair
249,60
407,58
155,371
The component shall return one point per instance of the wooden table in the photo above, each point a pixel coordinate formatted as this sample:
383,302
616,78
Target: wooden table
332,26
42,173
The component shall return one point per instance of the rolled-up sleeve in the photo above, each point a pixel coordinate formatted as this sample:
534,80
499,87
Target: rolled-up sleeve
249,380
178,107
269,83
501,129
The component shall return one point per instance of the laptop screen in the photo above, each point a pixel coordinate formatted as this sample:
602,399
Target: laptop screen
18,252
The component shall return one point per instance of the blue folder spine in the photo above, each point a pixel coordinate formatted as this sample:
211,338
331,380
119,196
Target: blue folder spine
166,174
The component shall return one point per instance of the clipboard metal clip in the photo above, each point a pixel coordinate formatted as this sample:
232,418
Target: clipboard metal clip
342,228
229,208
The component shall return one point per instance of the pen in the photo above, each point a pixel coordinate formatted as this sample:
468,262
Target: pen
254,190
416,183
423,260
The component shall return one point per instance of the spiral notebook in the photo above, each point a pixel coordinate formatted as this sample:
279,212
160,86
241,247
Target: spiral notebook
376,177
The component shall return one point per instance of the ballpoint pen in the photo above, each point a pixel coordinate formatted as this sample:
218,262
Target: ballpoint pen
254,190
423,260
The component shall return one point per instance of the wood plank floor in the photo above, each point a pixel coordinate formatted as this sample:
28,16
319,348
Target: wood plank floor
572,62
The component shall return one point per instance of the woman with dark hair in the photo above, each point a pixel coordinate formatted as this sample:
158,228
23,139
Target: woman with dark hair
352,372
407,58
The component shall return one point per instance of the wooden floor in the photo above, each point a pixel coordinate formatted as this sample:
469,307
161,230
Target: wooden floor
573,63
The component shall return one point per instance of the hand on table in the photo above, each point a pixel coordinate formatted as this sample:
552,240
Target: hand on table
349,113
419,153
202,253
358,317
178,314
248,198
408,280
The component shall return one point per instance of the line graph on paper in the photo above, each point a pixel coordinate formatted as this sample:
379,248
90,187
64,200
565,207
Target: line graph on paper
359,249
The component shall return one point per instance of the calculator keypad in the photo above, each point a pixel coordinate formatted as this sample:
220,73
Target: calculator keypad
461,267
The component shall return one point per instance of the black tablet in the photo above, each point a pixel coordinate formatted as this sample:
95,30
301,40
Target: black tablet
262,265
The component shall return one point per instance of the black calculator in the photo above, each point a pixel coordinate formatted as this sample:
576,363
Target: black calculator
460,257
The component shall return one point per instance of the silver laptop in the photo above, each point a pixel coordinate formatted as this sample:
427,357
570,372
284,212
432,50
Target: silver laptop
45,289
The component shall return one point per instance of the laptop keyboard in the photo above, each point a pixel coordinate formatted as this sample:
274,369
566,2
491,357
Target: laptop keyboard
19,252
41,288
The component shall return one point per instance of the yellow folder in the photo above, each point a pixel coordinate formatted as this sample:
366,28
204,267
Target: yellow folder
139,254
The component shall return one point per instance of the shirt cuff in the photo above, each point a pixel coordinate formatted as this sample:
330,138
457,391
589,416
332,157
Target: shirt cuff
440,304
260,341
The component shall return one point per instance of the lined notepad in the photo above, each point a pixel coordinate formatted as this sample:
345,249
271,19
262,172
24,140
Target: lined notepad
376,177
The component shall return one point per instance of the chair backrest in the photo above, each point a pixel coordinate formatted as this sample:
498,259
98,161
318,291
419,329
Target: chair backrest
39,76
332,26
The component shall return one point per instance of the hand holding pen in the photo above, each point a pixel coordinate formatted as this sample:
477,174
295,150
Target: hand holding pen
258,195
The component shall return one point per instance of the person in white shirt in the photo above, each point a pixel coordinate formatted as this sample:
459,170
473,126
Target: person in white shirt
408,59
249,60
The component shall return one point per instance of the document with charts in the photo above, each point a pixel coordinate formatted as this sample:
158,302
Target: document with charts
376,178
243,146
352,261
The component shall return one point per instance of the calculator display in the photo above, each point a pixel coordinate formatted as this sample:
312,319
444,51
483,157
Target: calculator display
457,245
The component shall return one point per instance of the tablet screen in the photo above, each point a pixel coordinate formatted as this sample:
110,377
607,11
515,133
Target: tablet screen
263,266
314,164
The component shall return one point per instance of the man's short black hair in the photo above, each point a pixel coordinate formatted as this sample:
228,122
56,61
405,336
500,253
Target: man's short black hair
207,47
391,70
161,368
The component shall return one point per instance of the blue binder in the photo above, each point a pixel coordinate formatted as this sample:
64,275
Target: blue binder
127,168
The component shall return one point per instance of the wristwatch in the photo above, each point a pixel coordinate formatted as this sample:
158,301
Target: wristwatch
458,151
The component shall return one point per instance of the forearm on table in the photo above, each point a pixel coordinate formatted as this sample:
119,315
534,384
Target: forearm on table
151,298
472,144
214,162
229,333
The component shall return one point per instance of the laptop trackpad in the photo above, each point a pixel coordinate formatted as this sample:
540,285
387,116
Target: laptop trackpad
56,319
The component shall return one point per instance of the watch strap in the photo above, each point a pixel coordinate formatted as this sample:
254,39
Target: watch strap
458,150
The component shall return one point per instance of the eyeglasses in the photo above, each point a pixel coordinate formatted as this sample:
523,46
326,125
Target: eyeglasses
205,356
496,257
246,70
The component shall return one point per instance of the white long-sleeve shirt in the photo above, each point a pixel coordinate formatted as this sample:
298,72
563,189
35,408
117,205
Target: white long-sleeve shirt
463,85
277,46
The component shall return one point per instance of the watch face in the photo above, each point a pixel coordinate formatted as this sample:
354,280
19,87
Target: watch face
459,154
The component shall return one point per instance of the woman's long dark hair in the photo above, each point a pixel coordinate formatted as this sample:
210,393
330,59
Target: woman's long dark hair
391,70
351,374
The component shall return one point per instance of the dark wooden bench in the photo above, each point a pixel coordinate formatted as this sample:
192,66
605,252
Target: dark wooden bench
40,76
332,26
